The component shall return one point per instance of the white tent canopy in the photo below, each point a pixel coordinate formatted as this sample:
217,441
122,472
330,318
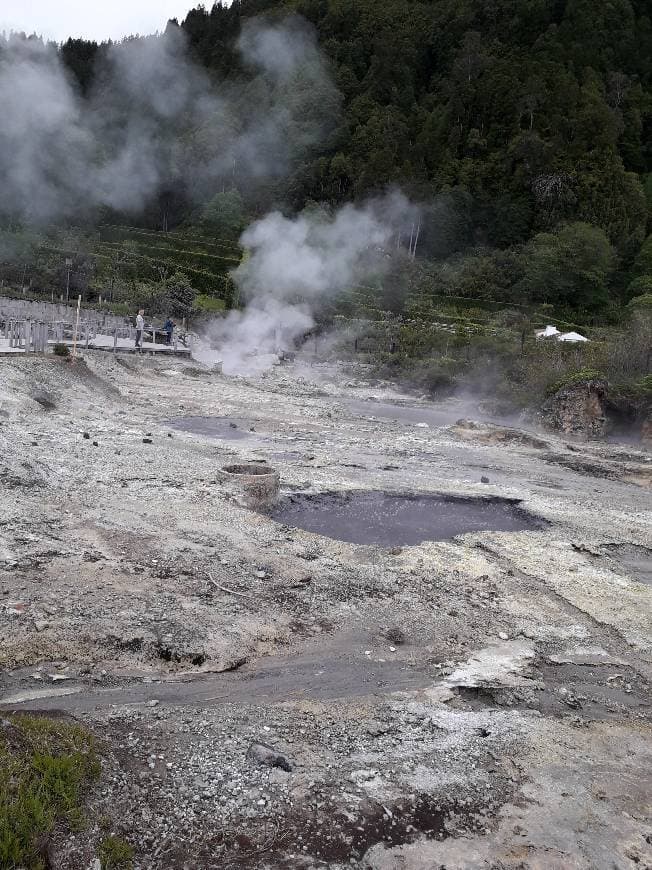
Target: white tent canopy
553,332
548,332
571,336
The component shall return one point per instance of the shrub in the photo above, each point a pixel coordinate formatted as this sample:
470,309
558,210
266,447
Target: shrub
642,302
115,854
436,378
45,766
644,386
573,378
61,349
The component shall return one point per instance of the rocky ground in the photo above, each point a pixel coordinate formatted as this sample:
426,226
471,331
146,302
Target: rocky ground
266,697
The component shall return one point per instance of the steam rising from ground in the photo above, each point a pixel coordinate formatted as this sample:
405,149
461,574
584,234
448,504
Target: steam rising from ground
292,266
154,118
154,121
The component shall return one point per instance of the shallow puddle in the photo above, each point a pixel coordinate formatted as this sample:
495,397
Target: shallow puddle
435,416
226,428
636,561
391,519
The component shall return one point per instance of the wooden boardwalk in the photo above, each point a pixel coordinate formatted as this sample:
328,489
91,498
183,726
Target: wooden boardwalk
110,344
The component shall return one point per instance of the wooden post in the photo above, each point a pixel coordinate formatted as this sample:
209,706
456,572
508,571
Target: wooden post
115,339
28,336
74,335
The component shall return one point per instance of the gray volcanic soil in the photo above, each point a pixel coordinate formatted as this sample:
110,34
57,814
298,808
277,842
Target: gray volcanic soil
481,701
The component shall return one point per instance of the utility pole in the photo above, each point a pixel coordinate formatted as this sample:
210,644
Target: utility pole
69,266
76,332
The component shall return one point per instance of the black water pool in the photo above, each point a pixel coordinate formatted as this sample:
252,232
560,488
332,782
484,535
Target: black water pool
393,519
226,428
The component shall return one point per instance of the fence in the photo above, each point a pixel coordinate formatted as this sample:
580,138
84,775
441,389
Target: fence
27,335
48,312
34,336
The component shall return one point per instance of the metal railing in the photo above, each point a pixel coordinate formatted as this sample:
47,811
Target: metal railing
34,336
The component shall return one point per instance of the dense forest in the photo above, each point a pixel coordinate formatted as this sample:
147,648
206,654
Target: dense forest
522,127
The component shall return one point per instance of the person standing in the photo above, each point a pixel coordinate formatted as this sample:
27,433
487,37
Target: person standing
169,329
140,329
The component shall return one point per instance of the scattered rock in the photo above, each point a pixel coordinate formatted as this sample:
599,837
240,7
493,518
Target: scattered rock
395,635
268,756
46,399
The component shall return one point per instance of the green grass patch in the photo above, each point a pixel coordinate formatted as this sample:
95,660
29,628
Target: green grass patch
208,304
573,378
45,766
115,854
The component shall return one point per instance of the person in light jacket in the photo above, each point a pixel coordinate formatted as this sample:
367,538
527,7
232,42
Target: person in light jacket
140,329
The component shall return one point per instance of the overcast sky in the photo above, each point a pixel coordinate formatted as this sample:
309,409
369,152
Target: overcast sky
93,19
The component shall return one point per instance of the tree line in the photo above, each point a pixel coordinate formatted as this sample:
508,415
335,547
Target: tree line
523,126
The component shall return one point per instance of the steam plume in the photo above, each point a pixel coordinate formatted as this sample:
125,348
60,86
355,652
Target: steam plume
292,265
154,117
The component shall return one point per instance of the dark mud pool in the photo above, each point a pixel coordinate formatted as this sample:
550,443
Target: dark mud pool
393,519
227,428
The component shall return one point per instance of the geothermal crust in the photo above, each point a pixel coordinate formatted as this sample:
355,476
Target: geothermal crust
267,697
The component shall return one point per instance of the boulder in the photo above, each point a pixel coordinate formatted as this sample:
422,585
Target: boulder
578,409
268,756
46,399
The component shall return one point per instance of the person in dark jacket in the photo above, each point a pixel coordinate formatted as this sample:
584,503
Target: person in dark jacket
169,329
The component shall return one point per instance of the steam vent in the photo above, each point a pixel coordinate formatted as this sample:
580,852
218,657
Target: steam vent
256,485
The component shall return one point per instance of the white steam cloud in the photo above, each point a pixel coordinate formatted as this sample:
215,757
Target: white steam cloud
154,118
292,265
